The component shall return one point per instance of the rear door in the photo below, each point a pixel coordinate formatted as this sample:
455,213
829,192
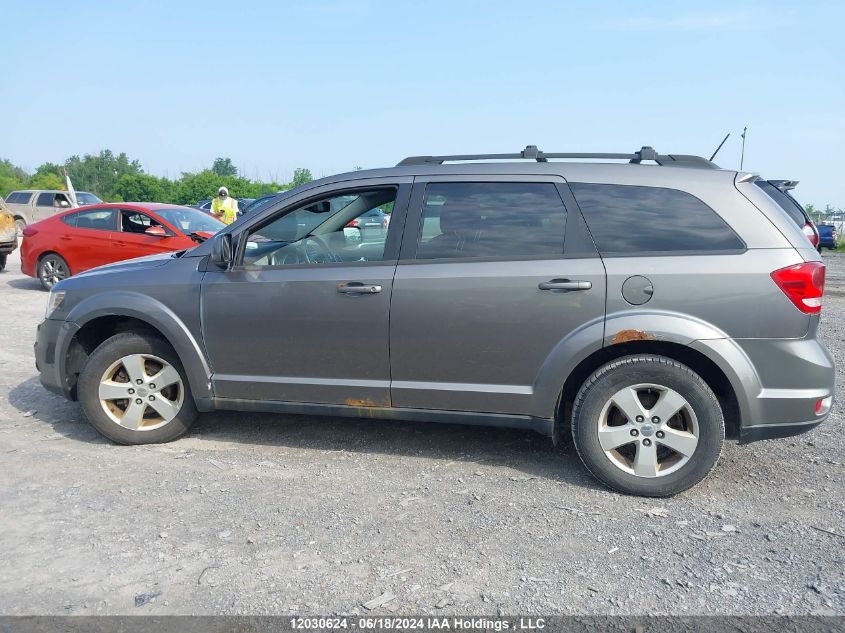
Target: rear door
84,238
485,291
44,205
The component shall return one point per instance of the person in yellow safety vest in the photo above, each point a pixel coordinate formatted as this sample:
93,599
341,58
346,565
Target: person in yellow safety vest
224,207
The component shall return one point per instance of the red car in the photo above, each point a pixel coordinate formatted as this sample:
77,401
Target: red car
91,236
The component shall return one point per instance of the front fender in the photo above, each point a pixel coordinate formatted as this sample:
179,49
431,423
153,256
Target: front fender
126,303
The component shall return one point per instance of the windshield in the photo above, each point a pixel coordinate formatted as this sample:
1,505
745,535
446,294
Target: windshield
190,220
83,198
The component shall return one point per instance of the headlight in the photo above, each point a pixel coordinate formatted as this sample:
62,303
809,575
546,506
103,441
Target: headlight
54,302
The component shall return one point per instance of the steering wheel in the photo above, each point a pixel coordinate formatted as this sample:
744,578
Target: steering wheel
316,251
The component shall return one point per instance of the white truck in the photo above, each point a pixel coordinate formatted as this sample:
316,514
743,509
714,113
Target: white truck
31,205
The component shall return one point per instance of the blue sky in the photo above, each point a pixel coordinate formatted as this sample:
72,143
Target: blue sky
329,85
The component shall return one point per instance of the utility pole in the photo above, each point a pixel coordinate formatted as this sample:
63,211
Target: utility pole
742,157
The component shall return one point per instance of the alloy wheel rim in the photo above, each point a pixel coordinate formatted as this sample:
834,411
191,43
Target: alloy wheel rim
141,392
648,430
53,271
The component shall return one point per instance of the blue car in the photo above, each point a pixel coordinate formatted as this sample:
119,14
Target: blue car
828,237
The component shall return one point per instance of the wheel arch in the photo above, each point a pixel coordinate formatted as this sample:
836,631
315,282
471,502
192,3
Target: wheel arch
696,360
97,320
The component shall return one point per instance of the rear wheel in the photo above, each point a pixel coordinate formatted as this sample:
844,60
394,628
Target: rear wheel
647,425
52,268
3,259
133,390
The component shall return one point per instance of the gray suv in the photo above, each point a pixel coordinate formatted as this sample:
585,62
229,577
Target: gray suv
650,308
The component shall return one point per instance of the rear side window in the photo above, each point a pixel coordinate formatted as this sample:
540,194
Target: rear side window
784,201
45,199
500,220
626,219
97,219
19,197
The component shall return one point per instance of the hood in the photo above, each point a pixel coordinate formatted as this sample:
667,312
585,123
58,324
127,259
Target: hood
140,263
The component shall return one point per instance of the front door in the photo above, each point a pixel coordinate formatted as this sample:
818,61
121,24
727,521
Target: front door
486,290
131,239
303,313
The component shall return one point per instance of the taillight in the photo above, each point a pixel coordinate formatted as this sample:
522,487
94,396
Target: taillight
29,231
353,223
803,284
812,233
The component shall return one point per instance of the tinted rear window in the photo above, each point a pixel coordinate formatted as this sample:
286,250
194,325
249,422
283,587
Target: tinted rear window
784,201
19,197
45,199
498,220
626,219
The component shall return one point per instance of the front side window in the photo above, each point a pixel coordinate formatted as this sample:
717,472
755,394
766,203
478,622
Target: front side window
97,219
500,220
349,227
627,219
136,222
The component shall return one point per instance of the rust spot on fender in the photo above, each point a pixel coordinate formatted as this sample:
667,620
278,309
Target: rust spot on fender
626,336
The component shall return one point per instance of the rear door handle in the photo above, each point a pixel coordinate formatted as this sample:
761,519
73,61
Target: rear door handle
565,284
357,288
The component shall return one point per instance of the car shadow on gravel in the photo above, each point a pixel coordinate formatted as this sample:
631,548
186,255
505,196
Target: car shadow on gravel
27,283
524,451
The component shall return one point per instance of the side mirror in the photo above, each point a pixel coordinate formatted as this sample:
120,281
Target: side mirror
64,204
156,231
221,250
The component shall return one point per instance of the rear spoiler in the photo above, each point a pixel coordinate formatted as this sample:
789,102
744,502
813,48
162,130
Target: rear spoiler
784,185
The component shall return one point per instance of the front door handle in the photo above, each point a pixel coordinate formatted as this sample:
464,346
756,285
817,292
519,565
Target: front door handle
565,284
357,288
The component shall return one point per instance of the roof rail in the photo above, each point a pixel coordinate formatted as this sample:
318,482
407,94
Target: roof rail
532,153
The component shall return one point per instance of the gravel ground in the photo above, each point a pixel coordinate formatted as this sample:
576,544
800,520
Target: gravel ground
268,514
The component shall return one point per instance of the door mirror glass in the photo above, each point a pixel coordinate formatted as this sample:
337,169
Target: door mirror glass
64,204
156,231
221,250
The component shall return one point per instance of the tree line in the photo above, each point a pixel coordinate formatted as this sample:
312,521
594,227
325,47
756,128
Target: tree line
116,178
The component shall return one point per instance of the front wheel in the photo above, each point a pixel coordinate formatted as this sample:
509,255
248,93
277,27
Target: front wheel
3,259
647,425
134,390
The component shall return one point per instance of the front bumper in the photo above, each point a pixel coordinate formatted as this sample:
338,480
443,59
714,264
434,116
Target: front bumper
50,342
8,247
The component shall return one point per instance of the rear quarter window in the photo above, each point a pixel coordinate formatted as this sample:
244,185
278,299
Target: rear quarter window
629,219
784,201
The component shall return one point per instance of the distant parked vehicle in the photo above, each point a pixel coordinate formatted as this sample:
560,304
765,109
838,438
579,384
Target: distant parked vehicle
31,205
75,241
8,233
828,236
243,203
203,205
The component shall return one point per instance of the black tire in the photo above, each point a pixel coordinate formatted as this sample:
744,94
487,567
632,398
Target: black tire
3,259
108,353
58,263
598,390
